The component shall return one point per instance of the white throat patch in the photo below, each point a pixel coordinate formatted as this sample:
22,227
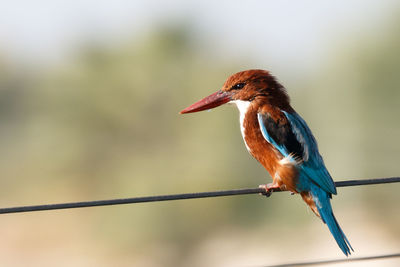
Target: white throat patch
243,106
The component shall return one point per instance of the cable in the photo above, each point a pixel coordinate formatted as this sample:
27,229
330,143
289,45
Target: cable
120,201
379,257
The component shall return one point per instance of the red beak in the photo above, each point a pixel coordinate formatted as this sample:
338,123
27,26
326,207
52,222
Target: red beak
214,100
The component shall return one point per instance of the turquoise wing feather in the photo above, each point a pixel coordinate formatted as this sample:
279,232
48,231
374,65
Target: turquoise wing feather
295,140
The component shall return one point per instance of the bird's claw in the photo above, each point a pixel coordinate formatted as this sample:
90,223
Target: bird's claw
267,189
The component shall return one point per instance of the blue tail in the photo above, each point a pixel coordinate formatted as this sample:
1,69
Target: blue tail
322,201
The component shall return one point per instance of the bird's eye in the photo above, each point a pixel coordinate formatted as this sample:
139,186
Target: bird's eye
238,86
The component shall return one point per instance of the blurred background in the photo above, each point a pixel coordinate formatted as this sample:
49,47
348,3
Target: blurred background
89,98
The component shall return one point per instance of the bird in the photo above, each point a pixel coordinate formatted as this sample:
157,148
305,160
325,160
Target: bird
280,139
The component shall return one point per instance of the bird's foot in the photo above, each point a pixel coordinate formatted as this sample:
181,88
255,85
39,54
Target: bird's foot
269,188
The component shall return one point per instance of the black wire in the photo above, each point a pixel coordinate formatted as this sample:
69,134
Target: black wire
379,257
132,200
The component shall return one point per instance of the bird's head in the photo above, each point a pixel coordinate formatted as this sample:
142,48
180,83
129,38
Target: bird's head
256,86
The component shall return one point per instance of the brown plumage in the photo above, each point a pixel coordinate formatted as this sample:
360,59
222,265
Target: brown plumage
267,96
261,86
280,140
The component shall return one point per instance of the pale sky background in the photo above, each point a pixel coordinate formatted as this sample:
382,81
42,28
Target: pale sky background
265,31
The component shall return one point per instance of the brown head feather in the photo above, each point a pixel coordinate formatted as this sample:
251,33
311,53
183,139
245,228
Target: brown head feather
258,86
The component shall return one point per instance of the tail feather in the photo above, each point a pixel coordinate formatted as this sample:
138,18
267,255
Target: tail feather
322,201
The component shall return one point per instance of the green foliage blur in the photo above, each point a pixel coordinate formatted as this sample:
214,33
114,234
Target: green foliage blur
105,124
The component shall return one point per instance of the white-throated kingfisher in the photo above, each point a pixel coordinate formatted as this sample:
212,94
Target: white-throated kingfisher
280,140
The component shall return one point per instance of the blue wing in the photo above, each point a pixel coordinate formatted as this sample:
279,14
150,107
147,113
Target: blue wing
295,141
